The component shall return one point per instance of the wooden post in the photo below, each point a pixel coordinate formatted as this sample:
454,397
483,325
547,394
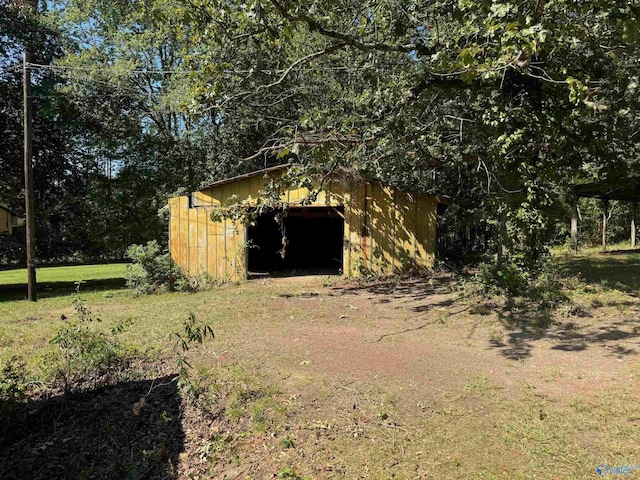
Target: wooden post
32,293
605,210
634,206
502,247
574,227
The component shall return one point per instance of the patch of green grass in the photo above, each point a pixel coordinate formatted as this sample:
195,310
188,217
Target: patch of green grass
27,327
62,281
65,274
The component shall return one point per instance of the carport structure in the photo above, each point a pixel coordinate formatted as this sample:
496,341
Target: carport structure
625,189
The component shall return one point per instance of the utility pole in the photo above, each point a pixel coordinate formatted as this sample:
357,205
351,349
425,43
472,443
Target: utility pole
32,293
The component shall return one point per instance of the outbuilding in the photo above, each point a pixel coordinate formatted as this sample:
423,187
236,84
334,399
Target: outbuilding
9,220
351,226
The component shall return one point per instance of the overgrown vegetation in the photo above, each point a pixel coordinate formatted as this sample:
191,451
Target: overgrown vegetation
81,354
153,271
192,333
14,384
500,106
150,270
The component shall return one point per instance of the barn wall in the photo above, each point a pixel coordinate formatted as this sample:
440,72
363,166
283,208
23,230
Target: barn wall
199,245
5,222
385,231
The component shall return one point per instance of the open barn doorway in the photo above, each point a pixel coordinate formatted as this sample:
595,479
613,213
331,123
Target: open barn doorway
313,242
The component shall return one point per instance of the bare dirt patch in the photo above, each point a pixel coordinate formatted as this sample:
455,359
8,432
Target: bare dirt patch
414,379
316,377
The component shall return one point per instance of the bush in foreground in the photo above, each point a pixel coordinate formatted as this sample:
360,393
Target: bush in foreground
153,271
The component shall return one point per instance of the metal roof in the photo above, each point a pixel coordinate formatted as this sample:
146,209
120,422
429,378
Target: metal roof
626,189
9,210
247,175
442,199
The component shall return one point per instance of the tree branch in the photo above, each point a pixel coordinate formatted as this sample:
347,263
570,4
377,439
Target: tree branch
316,26
284,75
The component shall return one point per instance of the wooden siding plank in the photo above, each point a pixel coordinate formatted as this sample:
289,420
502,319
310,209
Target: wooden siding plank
381,230
358,254
173,223
202,240
405,227
425,230
183,234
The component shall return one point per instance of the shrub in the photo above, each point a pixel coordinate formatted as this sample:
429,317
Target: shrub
514,281
151,270
507,278
194,283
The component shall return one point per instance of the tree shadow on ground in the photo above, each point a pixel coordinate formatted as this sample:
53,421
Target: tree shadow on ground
568,337
95,434
616,270
59,289
415,288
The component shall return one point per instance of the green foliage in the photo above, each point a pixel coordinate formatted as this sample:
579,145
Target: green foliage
151,270
512,280
288,473
195,283
80,353
507,278
499,105
192,332
287,442
13,383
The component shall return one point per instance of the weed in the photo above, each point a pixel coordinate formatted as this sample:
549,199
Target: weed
442,316
13,383
121,326
80,351
496,336
195,283
288,473
480,385
330,281
192,333
287,442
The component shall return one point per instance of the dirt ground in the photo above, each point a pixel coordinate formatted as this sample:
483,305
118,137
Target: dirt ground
317,377
393,374
424,334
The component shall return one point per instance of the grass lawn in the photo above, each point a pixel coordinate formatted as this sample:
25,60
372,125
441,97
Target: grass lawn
316,377
53,281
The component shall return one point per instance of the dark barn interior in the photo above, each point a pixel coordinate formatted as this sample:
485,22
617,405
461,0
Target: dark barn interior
314,242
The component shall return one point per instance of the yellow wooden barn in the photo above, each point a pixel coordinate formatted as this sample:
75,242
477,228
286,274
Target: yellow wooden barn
351,226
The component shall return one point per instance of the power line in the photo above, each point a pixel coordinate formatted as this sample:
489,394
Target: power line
90,95
111,69
172,72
